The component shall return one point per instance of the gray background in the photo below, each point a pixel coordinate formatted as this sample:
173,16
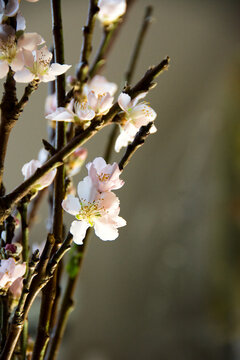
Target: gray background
164,289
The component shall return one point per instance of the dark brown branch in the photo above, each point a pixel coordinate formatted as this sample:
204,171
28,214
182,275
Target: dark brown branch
83,66
49,291
138,141
67,302
36,280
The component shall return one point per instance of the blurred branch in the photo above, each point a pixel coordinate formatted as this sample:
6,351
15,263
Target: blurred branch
143,30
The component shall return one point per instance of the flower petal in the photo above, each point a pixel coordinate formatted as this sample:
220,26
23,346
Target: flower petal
24,76
86,190
104,230
124,101
58,69
71,205
3,69
78,230
61,114
30,41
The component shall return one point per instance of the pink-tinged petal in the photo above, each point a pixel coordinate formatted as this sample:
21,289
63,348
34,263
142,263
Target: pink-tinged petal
61,114
92,100
24,76
86,114
28,58
30,168
99,163
16,287
78,230
105,104
86,190
124,101
46,179
3,68
104,230
100,85
30,41
21,23
58,69
11,8
44,55
18,270
18,62
142,114
43,155
110,202
137,98
71,205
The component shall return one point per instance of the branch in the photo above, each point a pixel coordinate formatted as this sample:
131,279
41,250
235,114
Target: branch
18,318
37,278
83,65
138,141
49,291
67,302
143,30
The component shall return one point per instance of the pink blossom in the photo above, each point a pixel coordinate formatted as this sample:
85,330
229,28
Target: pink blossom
50,104
16,287
30,168
9,272
136,115
100,85
38,67
111,10
84,111
16,54
105,177
8,9
93,209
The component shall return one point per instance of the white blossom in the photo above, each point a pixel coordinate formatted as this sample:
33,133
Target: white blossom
135,116
30,168
111,10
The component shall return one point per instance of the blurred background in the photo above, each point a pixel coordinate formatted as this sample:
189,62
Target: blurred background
169,287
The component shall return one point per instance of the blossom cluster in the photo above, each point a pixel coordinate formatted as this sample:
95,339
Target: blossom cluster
11,270
20,50
96,205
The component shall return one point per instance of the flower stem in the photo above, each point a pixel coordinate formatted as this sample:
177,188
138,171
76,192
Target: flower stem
49,291
67,302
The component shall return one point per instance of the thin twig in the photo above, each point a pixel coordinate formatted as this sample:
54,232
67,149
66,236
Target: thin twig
143,30
67,302
86,50
138,141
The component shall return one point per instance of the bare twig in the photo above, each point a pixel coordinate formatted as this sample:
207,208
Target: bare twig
143,30
138,141
83,66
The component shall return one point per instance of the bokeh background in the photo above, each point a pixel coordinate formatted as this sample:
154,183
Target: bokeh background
169,287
